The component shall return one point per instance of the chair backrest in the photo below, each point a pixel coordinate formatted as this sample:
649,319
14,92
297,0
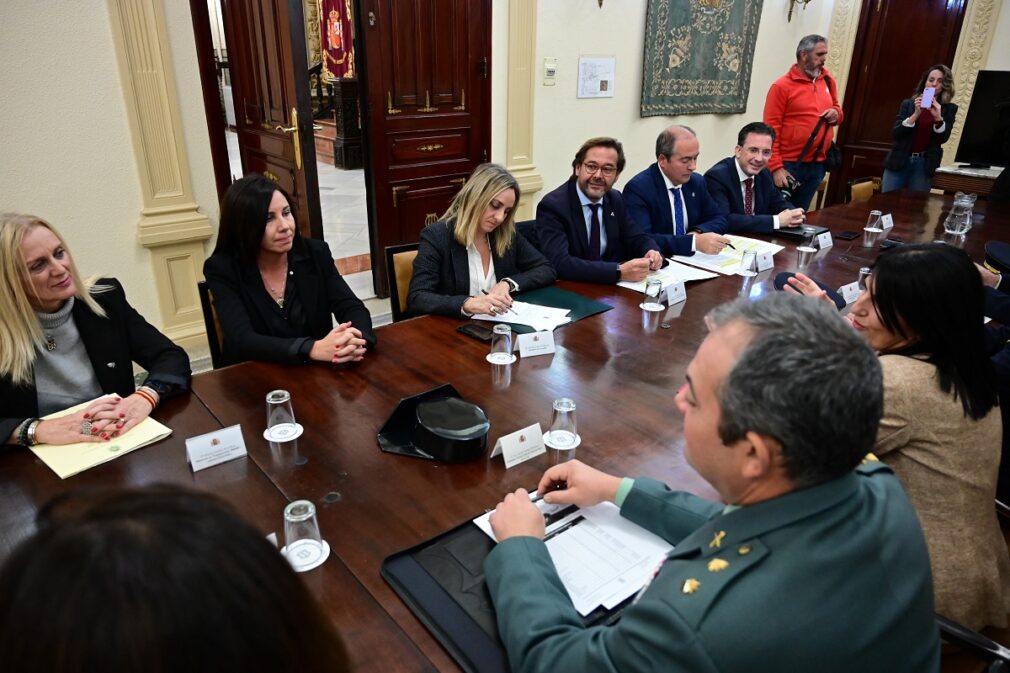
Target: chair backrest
818,200
862,189
400,269
528,230
211,324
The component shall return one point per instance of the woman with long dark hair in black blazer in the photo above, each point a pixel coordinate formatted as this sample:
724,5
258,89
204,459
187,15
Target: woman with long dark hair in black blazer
920,132
275,293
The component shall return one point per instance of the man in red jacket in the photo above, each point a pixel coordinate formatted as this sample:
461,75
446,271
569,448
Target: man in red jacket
795,103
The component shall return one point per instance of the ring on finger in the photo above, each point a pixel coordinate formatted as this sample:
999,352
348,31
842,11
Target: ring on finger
86,428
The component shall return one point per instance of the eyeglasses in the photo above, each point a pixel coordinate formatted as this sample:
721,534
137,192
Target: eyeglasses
609,170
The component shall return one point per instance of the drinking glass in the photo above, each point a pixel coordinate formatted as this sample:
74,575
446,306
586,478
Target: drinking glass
864,273
873,221
748,263
303,543
804,254
871,235
957,222
563,435
653,295
501,345
808,238
281,426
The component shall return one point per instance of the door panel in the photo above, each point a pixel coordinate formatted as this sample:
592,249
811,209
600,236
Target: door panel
427,110
270,86
886,66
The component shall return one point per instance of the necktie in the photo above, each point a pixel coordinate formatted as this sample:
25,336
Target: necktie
678,211
594,233
748,196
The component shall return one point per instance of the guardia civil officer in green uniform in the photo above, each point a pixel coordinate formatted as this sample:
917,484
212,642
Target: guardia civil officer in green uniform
817,562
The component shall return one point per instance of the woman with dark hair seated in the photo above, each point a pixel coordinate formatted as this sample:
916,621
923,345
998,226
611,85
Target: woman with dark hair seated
471,261
64,341
275,293
158,579
941,431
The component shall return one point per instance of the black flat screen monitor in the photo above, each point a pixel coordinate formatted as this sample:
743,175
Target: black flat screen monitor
985,136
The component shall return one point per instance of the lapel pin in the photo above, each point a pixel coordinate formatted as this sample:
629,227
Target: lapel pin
110,365
717,565
690,586
717,540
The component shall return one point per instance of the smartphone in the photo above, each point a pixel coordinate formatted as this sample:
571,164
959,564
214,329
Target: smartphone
847,235
475,331
927,97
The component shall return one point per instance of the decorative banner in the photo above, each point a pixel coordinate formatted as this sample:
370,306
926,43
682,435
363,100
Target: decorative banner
698,56
337,39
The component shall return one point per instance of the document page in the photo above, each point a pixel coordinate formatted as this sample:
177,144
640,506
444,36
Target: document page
727,262
536,316
601,557
669,275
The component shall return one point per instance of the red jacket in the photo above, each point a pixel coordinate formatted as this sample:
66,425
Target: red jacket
793,105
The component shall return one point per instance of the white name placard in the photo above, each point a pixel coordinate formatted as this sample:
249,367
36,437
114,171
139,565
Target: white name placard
675,293
520,445
850,292
886,221
765,261
535,343
824,240
214,448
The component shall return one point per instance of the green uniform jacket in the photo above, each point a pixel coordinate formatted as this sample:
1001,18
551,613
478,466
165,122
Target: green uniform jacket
829,578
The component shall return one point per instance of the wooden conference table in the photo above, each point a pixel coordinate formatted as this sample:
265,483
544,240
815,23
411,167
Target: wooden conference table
622,368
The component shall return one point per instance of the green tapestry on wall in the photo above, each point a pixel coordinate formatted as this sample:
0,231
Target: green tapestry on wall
698,56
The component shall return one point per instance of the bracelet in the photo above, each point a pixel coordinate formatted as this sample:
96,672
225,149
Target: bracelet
32,429
23,430
148,395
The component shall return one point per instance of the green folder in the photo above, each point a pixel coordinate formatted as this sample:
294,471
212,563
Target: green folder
580,307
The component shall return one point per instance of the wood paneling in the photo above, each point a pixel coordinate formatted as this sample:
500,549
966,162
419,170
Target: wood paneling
427,74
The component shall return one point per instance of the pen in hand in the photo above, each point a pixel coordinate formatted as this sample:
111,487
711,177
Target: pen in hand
731,246
508,309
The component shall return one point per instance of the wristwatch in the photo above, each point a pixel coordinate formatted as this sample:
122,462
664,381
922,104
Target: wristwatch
512,284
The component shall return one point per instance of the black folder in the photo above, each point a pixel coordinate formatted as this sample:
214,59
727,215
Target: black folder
442,582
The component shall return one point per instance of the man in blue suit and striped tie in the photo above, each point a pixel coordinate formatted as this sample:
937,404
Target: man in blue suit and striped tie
672,203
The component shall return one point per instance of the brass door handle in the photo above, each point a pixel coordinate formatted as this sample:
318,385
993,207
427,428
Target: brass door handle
296,139
317,127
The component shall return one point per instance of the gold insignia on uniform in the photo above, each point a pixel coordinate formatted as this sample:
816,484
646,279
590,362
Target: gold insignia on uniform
717,564
690,586
743,550
717,540
870,458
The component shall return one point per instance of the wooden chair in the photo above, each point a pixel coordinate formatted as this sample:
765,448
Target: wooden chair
818,200
862,189
211,324
400,269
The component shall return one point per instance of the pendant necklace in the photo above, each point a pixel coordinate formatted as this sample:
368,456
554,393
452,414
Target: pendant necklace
274,294
50,343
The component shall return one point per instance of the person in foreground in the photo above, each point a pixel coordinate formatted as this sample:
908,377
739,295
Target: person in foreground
164,580
743,187
471,261
65,341
583,226
814,561
919,134
941,431
276,294
671,202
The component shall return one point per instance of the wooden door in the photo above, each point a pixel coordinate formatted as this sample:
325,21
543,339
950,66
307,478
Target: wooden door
895,42
269,68
427,111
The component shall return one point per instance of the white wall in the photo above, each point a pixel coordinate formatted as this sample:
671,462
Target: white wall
999,52
67,155
567,29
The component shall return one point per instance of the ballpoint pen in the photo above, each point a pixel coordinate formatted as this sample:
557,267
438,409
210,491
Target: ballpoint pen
730,245
507,309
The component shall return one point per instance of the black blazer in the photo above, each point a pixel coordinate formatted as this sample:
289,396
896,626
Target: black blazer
441,280
724,187
901,151
649,206
250,317
113,344
561,230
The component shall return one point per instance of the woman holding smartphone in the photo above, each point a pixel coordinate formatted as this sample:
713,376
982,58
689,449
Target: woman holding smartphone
923,125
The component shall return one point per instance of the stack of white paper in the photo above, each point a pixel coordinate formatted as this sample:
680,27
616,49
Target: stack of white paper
727,262
538,317
673,273
601,557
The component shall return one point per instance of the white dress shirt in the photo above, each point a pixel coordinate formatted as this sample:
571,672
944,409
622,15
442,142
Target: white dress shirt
587,212
743,190
673,205
479,281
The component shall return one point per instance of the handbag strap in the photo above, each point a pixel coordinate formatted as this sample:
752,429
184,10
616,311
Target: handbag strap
821,122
